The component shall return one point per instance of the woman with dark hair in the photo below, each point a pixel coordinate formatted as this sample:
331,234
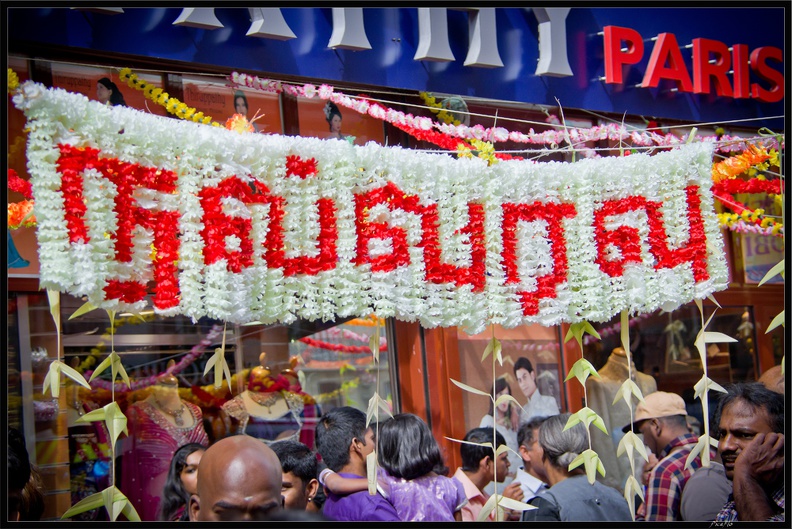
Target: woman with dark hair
182,482
411,474
506,417
241,107
108,92
571,498
333,118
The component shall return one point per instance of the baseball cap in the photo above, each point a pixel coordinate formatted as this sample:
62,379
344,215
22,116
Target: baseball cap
656,405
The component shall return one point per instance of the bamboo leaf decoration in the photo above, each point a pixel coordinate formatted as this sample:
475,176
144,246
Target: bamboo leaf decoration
626,391
631,488
780,317
591,462
778,320
371,472
577,330
581,370
493,346
220,365
470,389
114,362
52,379
112,497
630,442
776,270
703,386
87,307
114,419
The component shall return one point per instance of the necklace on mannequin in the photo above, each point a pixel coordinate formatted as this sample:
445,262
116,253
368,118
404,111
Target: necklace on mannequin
176,414
169,386
265,399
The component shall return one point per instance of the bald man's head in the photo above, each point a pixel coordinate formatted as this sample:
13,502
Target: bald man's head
773,379
239,478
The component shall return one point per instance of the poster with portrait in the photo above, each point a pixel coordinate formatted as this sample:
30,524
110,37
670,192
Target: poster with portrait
324,119
213,97
85,80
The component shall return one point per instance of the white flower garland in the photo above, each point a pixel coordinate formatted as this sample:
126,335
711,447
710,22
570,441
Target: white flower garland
548,212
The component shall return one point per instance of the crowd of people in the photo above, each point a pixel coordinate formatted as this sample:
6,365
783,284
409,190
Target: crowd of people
242,478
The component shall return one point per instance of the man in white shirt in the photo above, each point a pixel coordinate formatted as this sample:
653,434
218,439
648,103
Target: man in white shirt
538,405
531,476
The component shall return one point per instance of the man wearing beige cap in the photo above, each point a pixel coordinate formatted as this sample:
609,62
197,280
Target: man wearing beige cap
661,418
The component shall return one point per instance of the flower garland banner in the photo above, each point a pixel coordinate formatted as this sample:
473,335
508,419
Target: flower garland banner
270,228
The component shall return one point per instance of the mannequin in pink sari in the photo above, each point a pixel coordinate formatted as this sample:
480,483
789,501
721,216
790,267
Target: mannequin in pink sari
157,426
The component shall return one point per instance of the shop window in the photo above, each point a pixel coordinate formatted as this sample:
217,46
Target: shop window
663,346
327,365
539,390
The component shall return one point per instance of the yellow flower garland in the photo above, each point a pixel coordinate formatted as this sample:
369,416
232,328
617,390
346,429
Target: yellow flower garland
171,104
729,219
13,81
438,109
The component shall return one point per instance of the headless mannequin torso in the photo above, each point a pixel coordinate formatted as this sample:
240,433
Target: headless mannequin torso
601,393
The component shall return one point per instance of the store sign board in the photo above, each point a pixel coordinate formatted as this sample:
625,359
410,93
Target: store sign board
533,55
713,64
271,228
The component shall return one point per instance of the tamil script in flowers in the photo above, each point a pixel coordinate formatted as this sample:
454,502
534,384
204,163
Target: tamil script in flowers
136,210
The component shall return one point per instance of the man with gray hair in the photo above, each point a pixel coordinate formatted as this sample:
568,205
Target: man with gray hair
570,496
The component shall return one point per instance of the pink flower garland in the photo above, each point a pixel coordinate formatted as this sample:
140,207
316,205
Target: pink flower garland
607,331
188,359
610,131
747,227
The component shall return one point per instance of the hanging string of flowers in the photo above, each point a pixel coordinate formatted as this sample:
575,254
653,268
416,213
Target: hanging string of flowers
741,226
171,104
13,81
195,353
20,214
337,347
752,156
351,335
615,328
609,131
437,108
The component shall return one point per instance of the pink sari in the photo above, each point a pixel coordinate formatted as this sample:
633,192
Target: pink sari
147,453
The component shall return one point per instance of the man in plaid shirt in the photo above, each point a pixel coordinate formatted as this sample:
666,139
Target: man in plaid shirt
751,445
662,421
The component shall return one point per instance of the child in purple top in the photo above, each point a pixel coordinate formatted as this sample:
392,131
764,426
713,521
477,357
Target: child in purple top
410,473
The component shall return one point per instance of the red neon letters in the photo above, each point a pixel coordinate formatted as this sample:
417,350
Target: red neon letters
221,229
624,47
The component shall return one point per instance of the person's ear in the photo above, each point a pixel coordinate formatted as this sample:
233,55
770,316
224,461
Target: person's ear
524,454
194,507
485,462
311,489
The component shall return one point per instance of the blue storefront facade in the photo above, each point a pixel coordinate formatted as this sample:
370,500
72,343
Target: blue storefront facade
546,56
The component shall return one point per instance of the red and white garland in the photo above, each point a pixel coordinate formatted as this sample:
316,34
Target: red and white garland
273,228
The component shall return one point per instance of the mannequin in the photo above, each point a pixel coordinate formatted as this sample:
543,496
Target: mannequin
601,393
267,409
158,426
